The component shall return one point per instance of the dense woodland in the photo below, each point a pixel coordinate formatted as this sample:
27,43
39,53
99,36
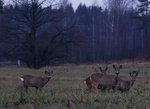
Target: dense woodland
40,36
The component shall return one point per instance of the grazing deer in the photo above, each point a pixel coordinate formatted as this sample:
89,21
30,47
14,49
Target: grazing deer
36,82
123,85
88,81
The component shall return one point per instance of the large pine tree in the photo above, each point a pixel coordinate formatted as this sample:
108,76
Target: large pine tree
144,14
1,6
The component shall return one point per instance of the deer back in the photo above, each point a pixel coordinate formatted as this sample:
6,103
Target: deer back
34,81
95,77
107,80
123,85
103,81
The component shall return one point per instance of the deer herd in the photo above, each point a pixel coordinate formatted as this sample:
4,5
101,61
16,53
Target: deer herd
95,81
107,82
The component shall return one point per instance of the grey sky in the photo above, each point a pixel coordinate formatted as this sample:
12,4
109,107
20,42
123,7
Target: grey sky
75,3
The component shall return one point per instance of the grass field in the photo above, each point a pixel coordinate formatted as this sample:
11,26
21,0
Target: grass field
65,89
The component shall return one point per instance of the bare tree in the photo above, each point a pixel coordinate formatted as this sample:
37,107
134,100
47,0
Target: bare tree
116,11
28,19
93,30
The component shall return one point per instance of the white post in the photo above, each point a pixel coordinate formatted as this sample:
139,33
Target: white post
19,63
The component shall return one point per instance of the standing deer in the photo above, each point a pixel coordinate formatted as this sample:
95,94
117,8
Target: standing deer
111,83
103,81
88,81
36,82
103,71
123,85
117,69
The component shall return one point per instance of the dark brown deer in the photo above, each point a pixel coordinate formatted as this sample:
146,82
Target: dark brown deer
37,82
111,85
88,81
103,71
117,69
104,81
123,85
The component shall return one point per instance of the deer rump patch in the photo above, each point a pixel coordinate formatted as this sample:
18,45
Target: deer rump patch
33,81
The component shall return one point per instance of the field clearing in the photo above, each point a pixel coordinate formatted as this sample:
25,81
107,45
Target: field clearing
65,89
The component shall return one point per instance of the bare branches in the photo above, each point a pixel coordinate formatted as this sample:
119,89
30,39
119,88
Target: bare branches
29,17
118,5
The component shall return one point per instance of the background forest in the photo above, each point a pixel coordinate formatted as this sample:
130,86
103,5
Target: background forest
40,36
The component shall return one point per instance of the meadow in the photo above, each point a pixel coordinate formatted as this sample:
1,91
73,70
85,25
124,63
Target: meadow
65,90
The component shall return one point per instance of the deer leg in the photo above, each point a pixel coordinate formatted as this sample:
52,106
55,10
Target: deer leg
88,88
36,89
26,88
94,89
40,89
108,89
115,88
103,88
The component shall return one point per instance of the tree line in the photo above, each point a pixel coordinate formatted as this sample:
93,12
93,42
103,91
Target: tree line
40,36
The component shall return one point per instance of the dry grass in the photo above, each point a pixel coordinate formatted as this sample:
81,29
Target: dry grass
65,89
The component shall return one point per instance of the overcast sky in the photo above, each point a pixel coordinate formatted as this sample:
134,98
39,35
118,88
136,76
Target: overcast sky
75,3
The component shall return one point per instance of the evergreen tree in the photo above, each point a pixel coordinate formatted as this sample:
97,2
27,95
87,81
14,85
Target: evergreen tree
143,15
1,6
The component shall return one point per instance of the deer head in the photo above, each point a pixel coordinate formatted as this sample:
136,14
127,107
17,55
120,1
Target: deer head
49,74
133,76
103,71
117,69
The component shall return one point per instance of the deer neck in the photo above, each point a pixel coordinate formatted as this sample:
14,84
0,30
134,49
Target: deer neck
117,78
46,79
131,83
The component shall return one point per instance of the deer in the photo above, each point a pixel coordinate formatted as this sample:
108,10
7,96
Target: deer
104,81
103,71
117,69
123,85
34,81
117,72
88,81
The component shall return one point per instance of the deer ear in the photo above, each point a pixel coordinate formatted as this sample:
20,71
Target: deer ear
100,68
114,66
120,66
106,69
136,74
130,74
46,72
